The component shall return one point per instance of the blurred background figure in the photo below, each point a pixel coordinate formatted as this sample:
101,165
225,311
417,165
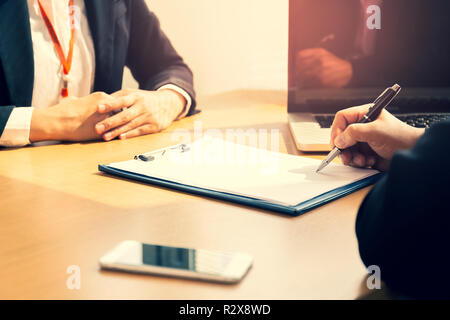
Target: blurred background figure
339,50
344,53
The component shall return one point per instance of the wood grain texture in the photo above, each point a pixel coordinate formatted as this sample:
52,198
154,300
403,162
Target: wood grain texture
57,210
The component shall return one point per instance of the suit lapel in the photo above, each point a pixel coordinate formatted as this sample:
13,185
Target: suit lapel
16,51
100,16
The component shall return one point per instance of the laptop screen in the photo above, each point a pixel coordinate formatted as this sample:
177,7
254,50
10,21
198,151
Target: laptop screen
354,49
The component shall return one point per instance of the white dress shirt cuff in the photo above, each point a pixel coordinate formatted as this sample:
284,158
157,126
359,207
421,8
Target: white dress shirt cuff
17,129
188,98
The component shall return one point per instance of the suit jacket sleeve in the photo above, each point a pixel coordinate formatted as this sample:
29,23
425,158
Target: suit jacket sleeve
151,57
403,225
5,112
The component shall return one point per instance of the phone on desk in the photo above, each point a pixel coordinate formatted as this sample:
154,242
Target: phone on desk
137,257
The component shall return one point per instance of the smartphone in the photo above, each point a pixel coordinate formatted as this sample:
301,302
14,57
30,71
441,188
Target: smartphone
137,257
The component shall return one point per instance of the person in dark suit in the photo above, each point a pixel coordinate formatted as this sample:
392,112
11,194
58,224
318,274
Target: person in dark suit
45,95
335,48
403,223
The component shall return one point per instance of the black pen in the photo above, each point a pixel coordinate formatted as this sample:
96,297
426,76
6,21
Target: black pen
374,111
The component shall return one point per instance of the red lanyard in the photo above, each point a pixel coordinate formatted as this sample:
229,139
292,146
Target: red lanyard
66,63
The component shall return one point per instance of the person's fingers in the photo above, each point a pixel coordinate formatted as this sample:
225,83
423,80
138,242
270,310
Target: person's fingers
117,103
118,119
358,159
307,73
352,114
312,71
142,130
354,133
123,92
345,117
371,161
305,64
134,123
346,157
334,75
367,151
102,101
359,155
311,52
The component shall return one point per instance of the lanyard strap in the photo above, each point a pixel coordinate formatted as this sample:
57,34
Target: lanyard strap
65,62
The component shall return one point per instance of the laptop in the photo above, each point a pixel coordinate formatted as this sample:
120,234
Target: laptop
336,28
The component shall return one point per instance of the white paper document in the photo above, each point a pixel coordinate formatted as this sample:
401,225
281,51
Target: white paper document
224,166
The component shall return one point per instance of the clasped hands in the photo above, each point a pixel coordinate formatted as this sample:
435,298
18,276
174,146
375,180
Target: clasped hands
124,114
133,113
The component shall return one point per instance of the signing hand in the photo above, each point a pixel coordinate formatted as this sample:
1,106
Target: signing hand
145,112
371,144
319,68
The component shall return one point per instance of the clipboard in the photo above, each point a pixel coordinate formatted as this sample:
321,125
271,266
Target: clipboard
141,169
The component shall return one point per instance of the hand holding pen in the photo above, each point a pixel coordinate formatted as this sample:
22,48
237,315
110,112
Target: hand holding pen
363,143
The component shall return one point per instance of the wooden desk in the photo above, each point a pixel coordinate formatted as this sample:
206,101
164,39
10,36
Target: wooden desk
57,210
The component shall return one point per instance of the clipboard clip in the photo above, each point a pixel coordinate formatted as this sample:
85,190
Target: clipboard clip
150,156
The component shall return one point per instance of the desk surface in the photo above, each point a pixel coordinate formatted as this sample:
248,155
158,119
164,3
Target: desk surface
57,210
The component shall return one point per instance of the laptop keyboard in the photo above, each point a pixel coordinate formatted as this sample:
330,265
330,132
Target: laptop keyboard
415,120
423,120
325,121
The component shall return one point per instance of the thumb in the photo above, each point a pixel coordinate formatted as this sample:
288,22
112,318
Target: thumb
354,133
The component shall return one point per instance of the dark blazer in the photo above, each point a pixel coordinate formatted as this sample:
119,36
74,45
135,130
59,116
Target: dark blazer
412,47
125,33
403,225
